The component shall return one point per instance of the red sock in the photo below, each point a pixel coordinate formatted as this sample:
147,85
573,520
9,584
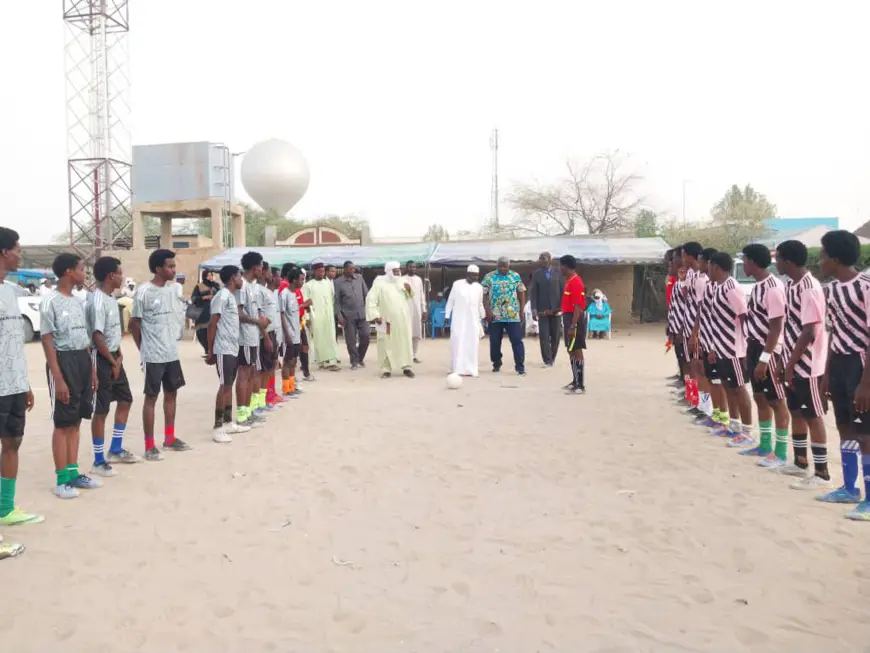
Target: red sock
271,384
149,442
694,398
168,435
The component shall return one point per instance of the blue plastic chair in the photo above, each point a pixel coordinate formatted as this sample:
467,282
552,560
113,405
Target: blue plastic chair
437,317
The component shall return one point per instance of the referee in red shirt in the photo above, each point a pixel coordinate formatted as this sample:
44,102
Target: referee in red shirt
574,321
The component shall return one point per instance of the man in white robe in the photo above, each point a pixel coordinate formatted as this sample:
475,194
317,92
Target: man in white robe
418,305
387,306
465,312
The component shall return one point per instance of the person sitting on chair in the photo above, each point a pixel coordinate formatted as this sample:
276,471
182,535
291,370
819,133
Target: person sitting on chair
598,315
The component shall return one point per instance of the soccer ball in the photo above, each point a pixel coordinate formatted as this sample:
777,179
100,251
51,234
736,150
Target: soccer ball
454,381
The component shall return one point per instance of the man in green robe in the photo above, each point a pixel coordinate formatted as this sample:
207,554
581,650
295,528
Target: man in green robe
387,306
321,292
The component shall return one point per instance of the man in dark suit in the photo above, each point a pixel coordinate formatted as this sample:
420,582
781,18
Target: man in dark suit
545,295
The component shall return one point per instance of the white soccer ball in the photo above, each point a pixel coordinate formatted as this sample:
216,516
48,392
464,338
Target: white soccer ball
454,381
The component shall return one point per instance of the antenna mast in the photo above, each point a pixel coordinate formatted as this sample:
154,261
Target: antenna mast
98,138
493,209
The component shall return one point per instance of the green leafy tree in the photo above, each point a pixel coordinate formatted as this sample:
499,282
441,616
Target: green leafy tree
436,233
646,224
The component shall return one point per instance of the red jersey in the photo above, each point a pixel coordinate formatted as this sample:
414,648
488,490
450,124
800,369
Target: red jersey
575,295
301,300
669,289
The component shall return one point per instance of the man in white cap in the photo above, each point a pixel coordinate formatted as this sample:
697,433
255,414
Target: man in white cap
387,306
465,311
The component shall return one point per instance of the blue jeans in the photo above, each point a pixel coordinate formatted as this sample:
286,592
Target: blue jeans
514,331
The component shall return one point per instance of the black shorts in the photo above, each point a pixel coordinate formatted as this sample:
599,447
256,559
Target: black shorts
845,372
167,375
76,367
291,352
13,409
711,370
227,365
574,342
732,372
772,387
680,351
249,356
109,389
804,396
269,358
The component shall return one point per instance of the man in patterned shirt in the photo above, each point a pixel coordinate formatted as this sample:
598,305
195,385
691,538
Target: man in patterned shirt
847,379
806,353
763,328
16,398
504,295
703,334
104,324
693,291
154,327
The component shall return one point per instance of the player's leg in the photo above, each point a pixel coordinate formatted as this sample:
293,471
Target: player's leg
102,405
12,418
153,379
845,375
173,381
79,374
862,510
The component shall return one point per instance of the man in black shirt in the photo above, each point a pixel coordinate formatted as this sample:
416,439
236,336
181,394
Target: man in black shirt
545,295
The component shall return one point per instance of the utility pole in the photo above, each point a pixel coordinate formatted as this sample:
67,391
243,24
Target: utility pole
493,209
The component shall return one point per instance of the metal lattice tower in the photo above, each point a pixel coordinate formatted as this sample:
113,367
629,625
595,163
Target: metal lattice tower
493,209
98,137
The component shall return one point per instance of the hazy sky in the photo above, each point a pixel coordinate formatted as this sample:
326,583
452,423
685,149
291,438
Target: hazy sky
392,102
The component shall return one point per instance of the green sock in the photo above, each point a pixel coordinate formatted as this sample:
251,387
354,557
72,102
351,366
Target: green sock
261,398
7,496
765,446
72,471
62,478
723,417
781,449
241,414
715,414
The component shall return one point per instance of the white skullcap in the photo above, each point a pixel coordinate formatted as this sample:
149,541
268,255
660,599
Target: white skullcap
473,268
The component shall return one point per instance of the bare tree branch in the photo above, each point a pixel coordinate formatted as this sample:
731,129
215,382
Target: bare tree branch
597,196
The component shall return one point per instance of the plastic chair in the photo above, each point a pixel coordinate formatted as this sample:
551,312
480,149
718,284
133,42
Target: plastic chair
437,318
609,328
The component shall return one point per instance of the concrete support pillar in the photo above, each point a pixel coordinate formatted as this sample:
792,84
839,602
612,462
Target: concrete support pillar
217,223
138,230
165,232
238,229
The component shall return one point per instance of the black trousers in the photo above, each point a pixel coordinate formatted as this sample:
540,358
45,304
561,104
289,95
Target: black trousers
550,336
356,331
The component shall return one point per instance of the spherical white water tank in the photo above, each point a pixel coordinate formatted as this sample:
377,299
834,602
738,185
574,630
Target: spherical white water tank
275,175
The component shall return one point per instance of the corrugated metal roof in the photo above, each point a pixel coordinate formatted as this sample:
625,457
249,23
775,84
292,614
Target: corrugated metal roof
597,251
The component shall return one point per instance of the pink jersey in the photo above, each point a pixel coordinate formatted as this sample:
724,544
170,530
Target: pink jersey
766,303
805,305
849,308
727,310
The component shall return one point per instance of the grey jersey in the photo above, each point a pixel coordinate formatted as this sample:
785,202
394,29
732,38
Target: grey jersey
155,307
268,306
103,316
249,299
13,364
64,318
226,337
290,310
279,331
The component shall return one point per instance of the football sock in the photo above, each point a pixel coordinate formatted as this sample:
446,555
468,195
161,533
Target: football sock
242,414
850,453
228,414
218,418
865,462
72,472
117,445
292,385
799,444
62,477
285,386
765,432
7,496
820,460
734,425
781,447
746,430
99,451
168,435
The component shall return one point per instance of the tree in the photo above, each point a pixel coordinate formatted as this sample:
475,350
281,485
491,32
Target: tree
646,224
736,220
436,233
598,197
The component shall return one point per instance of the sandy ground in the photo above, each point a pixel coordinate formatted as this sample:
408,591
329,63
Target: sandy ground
503,516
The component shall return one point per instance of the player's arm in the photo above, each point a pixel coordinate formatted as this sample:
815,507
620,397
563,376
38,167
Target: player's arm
862,392
212,332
